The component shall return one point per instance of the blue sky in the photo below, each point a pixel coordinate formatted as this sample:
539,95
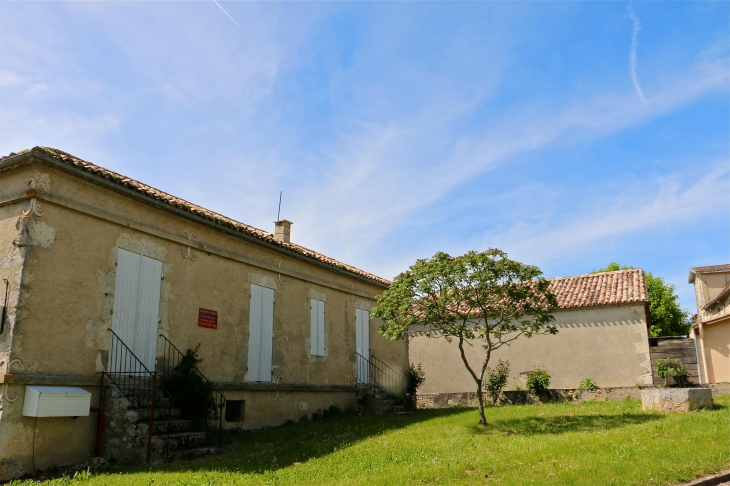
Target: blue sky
569,134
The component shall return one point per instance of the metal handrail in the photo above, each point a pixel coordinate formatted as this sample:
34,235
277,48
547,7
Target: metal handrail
389,380
134,381
379,375
171,359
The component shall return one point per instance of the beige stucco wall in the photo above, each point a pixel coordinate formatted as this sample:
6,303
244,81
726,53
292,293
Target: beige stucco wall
608,344
707,286
270,408
715,342
67,294
59,441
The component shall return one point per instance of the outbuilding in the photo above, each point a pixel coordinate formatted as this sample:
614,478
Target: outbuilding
603,334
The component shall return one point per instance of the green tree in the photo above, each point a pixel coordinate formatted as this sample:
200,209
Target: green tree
477,297
667,317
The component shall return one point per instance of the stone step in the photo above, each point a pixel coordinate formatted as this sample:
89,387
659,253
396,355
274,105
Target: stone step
137,392
160,413
159,427
145,402
180,441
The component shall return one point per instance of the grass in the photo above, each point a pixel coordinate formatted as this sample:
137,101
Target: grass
607,443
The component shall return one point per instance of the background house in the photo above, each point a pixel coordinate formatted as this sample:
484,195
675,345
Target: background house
602,323
711,330
89,254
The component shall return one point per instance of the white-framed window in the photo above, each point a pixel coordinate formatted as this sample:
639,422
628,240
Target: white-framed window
316,347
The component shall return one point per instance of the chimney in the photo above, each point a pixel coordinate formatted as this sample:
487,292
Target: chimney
282,231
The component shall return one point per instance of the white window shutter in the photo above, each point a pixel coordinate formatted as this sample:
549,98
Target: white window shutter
267,333
320,328
316,344
254,334
148,310
136,311
313,335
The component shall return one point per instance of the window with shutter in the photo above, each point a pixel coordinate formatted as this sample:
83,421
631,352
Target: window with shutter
316,346
260,333
137,306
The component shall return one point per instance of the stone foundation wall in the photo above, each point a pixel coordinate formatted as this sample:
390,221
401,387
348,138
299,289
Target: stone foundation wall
511,397
125,434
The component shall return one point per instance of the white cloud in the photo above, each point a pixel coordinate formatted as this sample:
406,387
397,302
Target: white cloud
639,209
632,54
378,179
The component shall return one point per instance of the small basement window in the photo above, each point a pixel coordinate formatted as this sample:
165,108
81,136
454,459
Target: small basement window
235,410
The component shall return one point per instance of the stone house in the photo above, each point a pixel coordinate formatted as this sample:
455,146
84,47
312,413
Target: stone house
603,323
711,329
89,258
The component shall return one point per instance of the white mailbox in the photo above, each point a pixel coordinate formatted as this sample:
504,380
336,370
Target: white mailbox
56,401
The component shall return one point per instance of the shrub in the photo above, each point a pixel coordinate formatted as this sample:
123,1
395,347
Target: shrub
496,380
666,368
415,377
333,411
539,380
192,394
588,384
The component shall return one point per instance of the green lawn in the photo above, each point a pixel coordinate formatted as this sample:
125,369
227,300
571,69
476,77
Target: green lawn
608,443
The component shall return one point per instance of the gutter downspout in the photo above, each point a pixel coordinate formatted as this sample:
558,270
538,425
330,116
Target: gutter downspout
702,348
697,355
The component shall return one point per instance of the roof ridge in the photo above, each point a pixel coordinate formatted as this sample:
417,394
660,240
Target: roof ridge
597,274
192,208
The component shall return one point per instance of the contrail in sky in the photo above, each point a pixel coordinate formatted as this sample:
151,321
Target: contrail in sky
224,11
632,58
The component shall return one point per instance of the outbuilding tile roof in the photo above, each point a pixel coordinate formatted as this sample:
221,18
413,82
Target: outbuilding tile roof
191,208
622,287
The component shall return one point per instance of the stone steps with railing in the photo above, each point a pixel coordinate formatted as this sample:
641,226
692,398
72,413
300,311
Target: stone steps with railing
381,384
137,427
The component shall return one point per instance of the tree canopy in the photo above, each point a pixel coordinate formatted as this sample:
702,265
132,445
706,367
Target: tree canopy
480,296
667,317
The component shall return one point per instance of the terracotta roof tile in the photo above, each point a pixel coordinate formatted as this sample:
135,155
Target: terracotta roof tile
200,211
622,287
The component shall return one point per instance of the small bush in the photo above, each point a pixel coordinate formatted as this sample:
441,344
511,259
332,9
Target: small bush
415,377
496,380
640,383
588,384
190,392
667,368
517,387
333,411
539,380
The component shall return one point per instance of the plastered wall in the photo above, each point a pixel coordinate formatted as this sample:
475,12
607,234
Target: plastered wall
716,339
607,344
70,293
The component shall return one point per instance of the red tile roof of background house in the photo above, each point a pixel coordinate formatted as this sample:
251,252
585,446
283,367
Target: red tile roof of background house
725,267
609,288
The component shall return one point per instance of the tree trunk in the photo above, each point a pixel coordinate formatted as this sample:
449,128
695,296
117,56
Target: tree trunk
480,399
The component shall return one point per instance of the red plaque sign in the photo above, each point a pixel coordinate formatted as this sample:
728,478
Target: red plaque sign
208,318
